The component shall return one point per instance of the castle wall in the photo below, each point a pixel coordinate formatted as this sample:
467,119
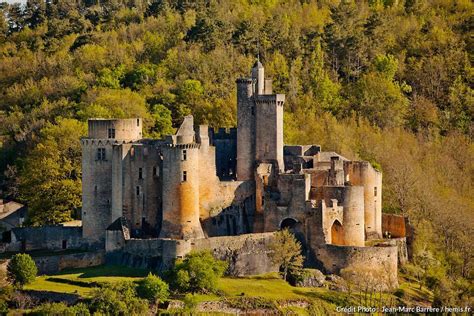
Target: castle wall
59,262
376,265
292,201
54,263
246,254
45,237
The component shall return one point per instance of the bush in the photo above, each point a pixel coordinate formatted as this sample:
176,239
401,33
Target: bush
59,309
153,289
198,272
22,269
190,302
118,299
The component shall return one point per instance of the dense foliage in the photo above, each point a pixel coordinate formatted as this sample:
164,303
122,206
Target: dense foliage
21,269
153,289
117,299
198,272
386,81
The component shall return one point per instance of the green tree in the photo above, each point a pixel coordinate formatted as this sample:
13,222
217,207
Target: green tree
50,179
153,289
378,99
198,272
161,122
22,269
286,252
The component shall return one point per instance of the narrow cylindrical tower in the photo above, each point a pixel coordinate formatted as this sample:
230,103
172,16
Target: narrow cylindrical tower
245,130
258,76
353,216
181,192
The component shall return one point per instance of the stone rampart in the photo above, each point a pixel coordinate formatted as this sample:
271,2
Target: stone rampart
379,264
246,254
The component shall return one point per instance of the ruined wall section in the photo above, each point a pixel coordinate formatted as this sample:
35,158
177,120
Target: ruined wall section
246,254
46,237
291,201
378,265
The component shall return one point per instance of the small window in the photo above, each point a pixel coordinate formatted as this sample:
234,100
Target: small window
184,154
184,176
375,191
64,244
100,153
156,172
140,173
138,190
138,122
111,133
252,110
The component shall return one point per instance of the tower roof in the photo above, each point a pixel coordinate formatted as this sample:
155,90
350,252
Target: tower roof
257,64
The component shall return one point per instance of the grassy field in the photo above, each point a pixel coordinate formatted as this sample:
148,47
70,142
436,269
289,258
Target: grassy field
82,281
268,287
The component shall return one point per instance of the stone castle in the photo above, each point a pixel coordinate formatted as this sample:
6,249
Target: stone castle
147,202
148,198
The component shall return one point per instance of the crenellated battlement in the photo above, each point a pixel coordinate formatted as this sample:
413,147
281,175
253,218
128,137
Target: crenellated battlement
183,146
103,142
223,133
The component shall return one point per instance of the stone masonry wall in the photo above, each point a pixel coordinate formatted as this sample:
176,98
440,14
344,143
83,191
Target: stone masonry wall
46,237
377,263
246,254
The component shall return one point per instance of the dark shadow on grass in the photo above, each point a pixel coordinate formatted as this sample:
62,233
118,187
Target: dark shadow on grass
106,271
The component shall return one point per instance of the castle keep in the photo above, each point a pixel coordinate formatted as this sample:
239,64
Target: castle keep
151,201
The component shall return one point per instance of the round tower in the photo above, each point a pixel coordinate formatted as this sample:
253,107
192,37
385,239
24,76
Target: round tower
181,190
353,216
258,75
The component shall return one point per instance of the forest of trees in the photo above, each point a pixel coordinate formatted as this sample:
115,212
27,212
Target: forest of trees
389,81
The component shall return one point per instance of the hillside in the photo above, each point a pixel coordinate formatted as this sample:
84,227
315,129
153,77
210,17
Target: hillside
385,81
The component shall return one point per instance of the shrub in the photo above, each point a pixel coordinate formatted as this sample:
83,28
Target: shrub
153,289
59,309
198,272
286,252
22,269
118,299
190,302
